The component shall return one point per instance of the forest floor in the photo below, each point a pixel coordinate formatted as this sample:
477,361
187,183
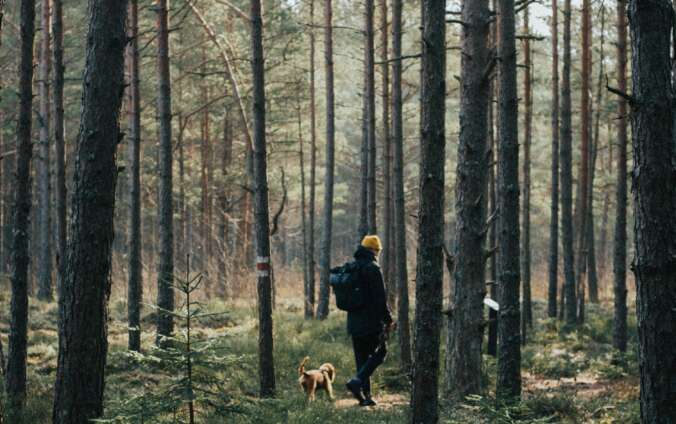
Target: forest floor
566,378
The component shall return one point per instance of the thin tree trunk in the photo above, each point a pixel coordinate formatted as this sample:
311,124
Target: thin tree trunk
527,309
165,269
310,304
570,311
654,204
364,165
15,379
327,225
78,393
266,366
59,141
388,234
592,276
492,344
620,242
371,116
6,193
43,242
584,170
429,272
403,326
135,287
466,325
554,219
509,339
303,207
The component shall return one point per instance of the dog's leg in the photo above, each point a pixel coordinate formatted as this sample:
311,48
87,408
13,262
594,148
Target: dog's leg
329,389
312,390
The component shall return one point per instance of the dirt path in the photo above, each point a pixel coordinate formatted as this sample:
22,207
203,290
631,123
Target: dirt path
385,401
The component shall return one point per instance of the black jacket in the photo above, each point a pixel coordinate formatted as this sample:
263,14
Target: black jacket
371,318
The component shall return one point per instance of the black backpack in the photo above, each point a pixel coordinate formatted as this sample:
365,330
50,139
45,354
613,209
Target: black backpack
346,285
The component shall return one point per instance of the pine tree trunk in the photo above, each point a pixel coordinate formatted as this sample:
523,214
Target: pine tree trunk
509,339
310,303
15,378
165,269
364,165
429,272
620,237
527,309
84,304
554,214
388,222
654,204
584,170
59,141
135,287
403,324
6,173
43,242
205,181
492,343
303,205
327,224
266,366
569,309
466,325
370,117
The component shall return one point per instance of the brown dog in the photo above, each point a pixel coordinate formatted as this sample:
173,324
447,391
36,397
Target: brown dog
320,378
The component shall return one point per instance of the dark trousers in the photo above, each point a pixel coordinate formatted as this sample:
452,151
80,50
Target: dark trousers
369,353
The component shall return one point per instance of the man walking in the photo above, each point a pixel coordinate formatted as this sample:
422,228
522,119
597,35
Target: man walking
369,325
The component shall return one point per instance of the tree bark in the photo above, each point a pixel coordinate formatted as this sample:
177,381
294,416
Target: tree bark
15,379
135,284
78,393
403,324
471,178
650,23
584,170
370,116
492,342
6,173
429,272
554,209
59,141
266,366
620,236
388,224
327,225
310,302
364,165
527,308
570,303
44,205
509,339
165,269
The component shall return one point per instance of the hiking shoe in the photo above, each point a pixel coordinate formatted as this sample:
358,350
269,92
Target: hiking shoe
354,386
367,402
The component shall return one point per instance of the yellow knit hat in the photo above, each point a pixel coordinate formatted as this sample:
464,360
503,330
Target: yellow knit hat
372,242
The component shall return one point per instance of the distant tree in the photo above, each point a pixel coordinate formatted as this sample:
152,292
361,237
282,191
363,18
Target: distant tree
370,114
327,225
15,377
570,312
620,243
59,141
466,321
44,205
266,366
584,170
429,273
399,257
135,283
310,301
554,223
509,348
165,210
83,307
527,308
651,25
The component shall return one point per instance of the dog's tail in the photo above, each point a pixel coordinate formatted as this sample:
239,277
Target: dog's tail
301,368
